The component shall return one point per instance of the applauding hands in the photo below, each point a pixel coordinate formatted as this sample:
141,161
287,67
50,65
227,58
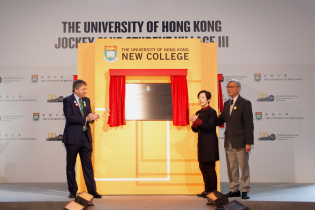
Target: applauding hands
192,118
92,117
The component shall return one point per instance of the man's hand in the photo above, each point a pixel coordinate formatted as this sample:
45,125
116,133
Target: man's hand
248,147
92,117
97,116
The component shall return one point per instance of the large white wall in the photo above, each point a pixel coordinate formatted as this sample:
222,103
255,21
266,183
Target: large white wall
272,38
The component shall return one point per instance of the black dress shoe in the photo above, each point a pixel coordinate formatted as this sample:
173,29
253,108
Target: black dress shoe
245,195
203,194
96,194
73,194
233,194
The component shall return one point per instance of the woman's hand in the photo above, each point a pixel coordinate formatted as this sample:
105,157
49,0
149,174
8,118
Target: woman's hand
192,118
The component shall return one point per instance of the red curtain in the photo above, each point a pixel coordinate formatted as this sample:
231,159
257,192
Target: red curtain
117,91
180,100
220,97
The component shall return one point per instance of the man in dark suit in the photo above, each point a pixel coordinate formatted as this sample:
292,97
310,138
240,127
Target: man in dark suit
77,137
239,136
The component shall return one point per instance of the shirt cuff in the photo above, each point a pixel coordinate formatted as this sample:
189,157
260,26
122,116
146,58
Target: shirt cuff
197,122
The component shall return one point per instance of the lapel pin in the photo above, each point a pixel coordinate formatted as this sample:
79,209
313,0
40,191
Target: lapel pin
235,107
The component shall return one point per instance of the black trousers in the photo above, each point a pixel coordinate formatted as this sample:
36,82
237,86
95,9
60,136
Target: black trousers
209,174
84,148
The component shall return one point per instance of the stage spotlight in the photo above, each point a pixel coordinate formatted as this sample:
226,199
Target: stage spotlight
235,205
73,206
217,198
84,199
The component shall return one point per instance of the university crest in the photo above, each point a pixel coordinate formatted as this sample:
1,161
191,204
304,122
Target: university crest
110,54
257,77
35,116
258,115
34,78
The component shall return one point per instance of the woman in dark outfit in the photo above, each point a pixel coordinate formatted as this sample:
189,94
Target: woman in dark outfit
204,122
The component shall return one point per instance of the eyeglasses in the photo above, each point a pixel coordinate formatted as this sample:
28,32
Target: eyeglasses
230,87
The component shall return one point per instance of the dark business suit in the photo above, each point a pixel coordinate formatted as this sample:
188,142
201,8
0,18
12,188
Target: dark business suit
208,151
76,141
239,132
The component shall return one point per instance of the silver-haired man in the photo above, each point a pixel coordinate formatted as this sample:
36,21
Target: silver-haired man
239,136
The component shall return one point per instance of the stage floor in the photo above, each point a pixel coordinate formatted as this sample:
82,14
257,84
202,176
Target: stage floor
276,195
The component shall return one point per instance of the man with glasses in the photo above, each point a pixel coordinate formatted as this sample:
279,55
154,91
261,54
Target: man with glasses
239,136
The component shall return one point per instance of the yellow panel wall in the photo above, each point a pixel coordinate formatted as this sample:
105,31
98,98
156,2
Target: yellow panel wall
124,156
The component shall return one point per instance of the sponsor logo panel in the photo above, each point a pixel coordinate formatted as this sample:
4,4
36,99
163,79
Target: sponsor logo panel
54,137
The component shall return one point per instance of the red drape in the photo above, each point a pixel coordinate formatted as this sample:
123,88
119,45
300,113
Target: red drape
220,97
117,91
180,100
